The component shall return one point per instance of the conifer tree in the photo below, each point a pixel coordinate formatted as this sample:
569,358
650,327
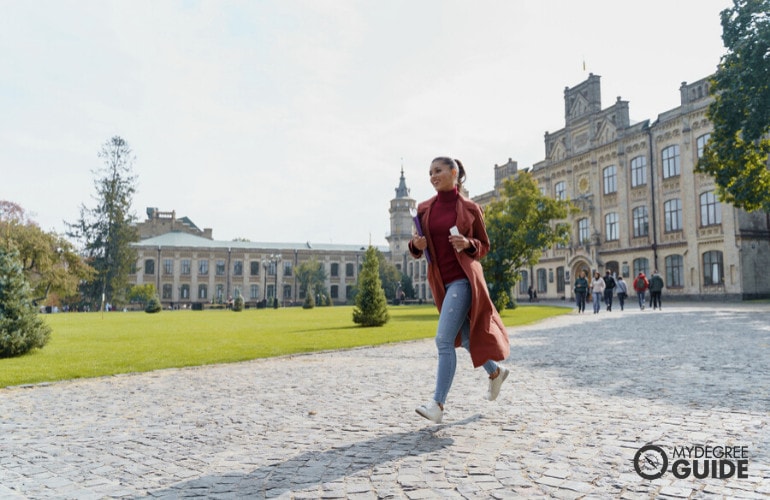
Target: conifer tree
371,305
21,329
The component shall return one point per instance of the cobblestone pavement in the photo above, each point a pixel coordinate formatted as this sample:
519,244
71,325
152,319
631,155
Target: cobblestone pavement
584,394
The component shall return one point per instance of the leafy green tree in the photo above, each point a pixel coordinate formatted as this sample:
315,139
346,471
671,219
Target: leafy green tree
521,222
142,294
21,329
390,276
371,305
107,230
736,154
50,263
311,277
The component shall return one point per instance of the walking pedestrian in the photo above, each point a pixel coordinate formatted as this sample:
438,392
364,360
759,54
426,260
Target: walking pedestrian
622,291
467,316
581,289
597,289
656,288
609,286
640,286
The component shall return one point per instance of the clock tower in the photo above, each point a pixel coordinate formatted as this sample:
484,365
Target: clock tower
401,225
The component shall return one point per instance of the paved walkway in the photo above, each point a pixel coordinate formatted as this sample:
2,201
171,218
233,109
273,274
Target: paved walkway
585,393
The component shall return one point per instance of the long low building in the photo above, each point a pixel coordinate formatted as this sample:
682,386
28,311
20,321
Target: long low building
190,268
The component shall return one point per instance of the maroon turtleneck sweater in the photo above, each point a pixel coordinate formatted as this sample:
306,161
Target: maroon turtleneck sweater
443,215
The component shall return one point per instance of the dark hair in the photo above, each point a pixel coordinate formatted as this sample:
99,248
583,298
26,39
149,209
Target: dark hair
454,164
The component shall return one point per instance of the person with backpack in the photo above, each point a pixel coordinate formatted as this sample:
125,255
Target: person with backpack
640,286
609,287
656,287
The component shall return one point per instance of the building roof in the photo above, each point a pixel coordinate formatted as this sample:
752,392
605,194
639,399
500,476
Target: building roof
186,240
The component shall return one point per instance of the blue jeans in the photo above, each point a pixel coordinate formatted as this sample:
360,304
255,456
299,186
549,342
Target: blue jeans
597,301
641,299
453,319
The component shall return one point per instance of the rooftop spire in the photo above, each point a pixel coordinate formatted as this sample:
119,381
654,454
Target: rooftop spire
402,191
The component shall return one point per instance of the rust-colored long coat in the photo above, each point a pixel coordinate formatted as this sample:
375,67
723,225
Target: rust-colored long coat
488,337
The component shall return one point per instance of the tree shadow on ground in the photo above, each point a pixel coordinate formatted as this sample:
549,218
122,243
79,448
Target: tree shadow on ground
310,469
698,358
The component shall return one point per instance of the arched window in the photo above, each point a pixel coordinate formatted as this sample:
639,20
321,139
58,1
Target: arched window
672,211
670,157
713,269
700,143
560,190
610,175
710,210
641,222
674,271
523,282
611,227
584,236
638,171
641,265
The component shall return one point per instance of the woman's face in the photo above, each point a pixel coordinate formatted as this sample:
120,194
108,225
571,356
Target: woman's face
442,176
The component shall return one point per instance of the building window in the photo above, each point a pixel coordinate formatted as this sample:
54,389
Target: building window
238,268
638,171
254,268
335,292
672,211
350,270
149,266
610,179
287,292
583,234
272,268
167,292
713,272
641,222
203,267
700,143
220,270
186,266
674,271
524,283
560,190
287,268
220,293
184,292
203,291
168,266
710,210
348,291
254,292
641,265
334,269
611,226
560,281
670,157
542,281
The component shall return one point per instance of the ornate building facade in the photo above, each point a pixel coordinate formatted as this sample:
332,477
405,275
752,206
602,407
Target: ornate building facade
641,206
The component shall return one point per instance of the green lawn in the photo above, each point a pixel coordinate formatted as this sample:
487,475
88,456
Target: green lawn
94,344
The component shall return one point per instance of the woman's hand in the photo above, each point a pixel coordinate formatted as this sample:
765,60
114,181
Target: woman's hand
419,242
459,242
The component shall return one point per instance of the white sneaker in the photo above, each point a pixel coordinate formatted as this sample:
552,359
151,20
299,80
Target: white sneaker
496,383
432,411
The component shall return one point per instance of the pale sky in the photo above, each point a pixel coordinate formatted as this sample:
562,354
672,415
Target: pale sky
290,120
